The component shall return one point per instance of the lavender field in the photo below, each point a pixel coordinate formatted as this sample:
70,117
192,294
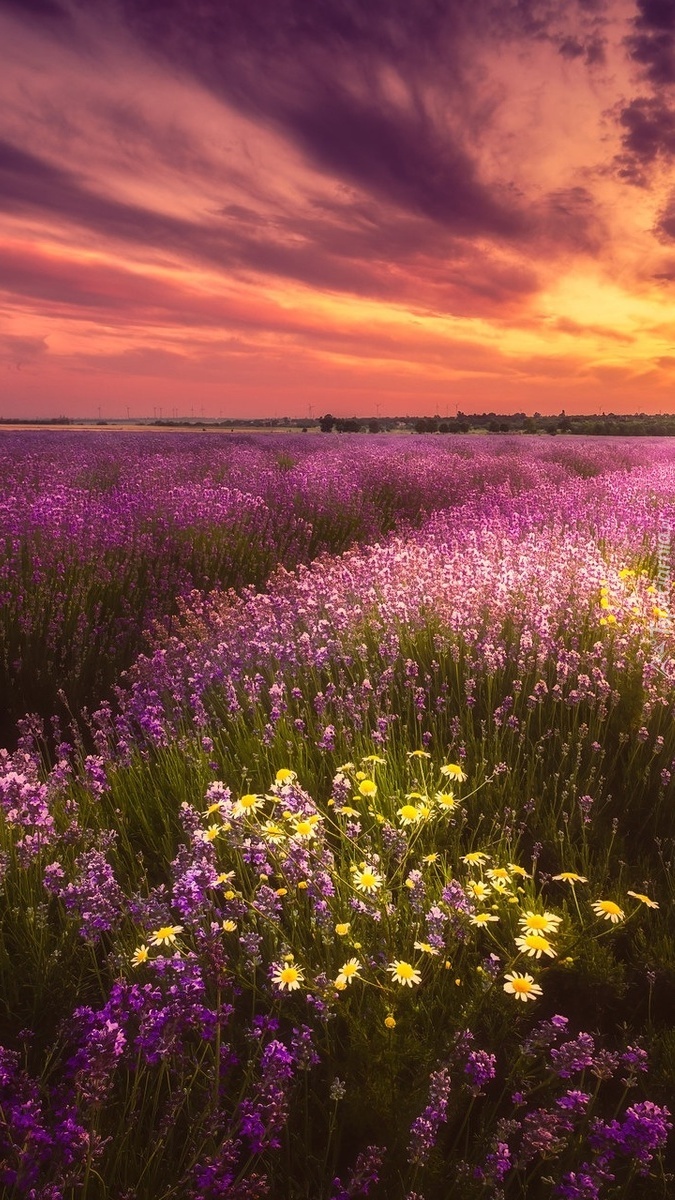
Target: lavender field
337,821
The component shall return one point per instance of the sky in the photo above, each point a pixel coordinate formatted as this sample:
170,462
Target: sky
224,209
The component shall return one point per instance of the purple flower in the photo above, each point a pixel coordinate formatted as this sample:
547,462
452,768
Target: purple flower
424,1129
573,1056
263,1117
94,896
583,1184
479,1069
327,739
364,1173
643,1130
574,1101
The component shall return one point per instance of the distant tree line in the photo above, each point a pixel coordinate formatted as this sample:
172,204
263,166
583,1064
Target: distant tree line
606,425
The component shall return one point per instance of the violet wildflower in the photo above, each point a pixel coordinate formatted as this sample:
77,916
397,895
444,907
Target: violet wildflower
573,1056
363,1175
263,1117
642,1132
95,896
479,1069
583,1184
424,1129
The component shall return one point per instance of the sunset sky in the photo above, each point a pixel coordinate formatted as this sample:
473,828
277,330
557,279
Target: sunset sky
295,206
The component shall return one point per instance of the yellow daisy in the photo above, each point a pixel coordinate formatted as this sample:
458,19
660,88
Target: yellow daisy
166,935
348,971
366,879
343,928
305,829
534,945
500,885
247,804
426,948
287,977
445,801
497,873
273,832
608,910
409,814
643,899
533,922
404,973
483,918
453,771
140,955
476,858
284,775
368,787
229,926
519,871
522,987
571,877
478,889
210,834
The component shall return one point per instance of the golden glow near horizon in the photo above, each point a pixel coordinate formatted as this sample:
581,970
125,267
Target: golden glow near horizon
161,238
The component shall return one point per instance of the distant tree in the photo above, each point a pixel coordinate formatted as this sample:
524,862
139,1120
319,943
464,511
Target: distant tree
373,426
327,423
427,425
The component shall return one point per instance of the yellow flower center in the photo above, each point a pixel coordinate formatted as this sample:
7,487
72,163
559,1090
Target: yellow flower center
537,922
289,975
536,942
405,970
522,985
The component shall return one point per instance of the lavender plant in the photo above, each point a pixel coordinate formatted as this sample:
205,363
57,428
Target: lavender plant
367,888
